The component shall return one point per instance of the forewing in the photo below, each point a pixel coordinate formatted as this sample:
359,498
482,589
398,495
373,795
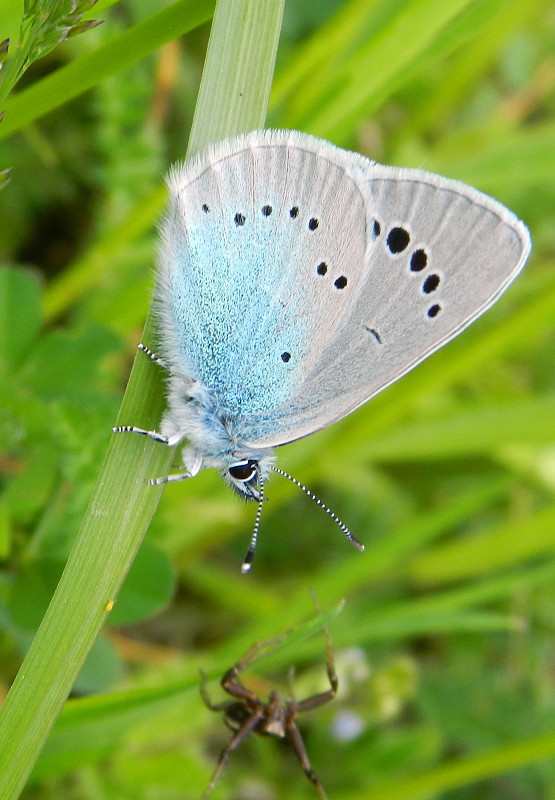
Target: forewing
255,249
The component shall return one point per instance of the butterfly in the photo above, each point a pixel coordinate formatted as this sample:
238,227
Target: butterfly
296,280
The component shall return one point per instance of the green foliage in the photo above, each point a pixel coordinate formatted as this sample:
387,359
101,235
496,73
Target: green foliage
445,646
44,24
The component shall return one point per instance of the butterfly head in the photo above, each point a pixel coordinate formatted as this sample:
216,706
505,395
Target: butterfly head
247,476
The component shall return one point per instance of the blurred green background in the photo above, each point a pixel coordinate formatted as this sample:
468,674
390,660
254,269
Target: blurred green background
445,647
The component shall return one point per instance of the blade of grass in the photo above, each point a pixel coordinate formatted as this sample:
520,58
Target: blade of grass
392,52
239,103
480,591
511,544
482,429
122,504
463,771
444,611
466,67
340,52
522,159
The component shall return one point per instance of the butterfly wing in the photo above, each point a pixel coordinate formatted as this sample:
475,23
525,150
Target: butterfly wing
239,296
308,278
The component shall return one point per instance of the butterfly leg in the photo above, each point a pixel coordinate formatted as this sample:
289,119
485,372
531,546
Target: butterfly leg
153,356
154,435
173,478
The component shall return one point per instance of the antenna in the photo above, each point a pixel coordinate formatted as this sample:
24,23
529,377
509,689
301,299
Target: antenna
249,558
341,525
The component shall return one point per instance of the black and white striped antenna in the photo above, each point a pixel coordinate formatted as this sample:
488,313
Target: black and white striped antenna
249,558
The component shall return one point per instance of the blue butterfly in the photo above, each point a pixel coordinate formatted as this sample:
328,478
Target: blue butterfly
296,280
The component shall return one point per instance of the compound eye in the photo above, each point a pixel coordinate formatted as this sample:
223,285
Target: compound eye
244,471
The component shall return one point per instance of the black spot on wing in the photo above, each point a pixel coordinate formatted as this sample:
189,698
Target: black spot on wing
397,240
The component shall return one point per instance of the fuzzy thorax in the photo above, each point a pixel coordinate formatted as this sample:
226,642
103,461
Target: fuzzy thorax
212,437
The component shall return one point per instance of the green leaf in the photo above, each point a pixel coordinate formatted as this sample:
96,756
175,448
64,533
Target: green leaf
65,362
